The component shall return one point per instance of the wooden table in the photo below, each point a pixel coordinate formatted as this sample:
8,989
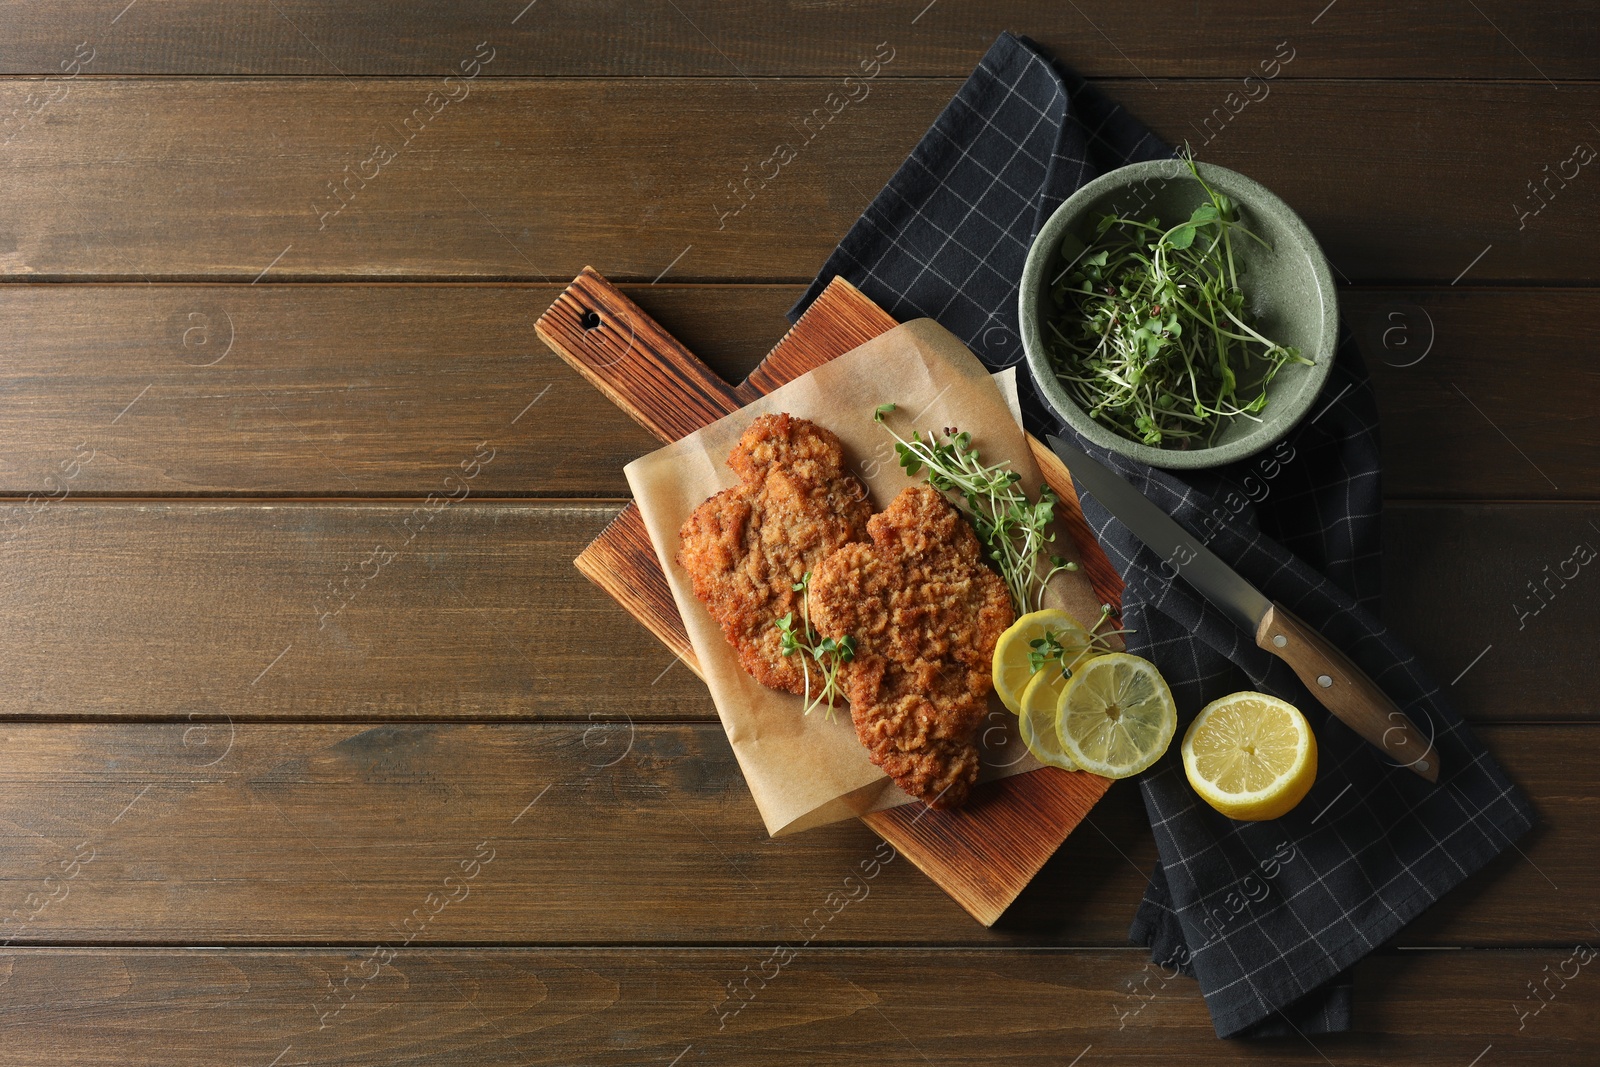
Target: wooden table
318,750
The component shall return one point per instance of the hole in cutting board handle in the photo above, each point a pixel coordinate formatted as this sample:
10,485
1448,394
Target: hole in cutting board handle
589,320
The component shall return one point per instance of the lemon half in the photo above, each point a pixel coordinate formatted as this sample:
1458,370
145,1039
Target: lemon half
1037,719
1011,670
1251,756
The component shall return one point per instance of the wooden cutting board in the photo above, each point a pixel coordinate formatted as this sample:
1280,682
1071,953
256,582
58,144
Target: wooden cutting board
983,853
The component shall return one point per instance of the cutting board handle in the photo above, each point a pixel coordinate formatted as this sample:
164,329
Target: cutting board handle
638,365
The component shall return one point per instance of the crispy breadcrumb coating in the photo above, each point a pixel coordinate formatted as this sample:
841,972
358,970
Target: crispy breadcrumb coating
925,611
746,547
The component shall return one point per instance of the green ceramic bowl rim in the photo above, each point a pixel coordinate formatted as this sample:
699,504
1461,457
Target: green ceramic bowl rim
1251,194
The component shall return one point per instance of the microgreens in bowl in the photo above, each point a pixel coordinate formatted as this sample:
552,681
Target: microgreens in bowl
1153,338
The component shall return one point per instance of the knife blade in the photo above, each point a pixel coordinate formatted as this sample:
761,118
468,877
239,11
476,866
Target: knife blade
1341,687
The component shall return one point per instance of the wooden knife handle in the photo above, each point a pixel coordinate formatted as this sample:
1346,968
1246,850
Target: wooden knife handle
1346,691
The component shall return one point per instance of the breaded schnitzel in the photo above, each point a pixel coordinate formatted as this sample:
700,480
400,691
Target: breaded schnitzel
926,612
745,548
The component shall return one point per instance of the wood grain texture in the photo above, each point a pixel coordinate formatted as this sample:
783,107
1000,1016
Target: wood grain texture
312,611
206,833
1459,580
985,852
605,1007
522,179
624,900
622,562
281,390
638,366
1482,394
483,616
375,390
617,1007
839,319
1427,38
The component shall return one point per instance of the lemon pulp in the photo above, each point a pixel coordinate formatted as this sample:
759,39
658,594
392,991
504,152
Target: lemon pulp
1037,720
1116,716
1251,756
1011,668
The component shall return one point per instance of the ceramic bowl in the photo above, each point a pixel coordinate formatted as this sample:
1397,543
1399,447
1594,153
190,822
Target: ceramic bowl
1288,289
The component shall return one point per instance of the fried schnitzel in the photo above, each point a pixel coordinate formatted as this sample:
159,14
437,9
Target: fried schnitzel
746,547
925,611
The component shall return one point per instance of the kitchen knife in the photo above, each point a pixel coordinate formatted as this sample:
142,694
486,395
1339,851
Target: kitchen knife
1330,675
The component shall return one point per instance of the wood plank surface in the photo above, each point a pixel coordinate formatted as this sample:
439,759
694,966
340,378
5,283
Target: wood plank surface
1501,596
420,611
265,693
1227,39
603,833
524,179
173,1007
1463,412
245,397
331,391
479,613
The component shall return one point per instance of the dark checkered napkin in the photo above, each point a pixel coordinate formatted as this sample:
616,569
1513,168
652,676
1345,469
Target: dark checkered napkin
1267,916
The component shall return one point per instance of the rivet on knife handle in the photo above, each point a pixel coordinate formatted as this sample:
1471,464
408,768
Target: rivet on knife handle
1346,691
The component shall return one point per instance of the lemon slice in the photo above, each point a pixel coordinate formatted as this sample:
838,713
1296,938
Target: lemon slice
1251,756
1037,720
1011,670
1116,716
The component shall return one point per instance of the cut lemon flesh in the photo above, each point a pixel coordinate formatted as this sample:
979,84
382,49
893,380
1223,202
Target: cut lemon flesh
1116,716
1037,720
1251,756
1011,669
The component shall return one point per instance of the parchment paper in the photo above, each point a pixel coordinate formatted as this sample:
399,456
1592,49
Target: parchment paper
804,771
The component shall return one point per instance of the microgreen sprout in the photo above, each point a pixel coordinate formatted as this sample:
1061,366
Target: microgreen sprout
1049,649
1154,340
826,651
1014,529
